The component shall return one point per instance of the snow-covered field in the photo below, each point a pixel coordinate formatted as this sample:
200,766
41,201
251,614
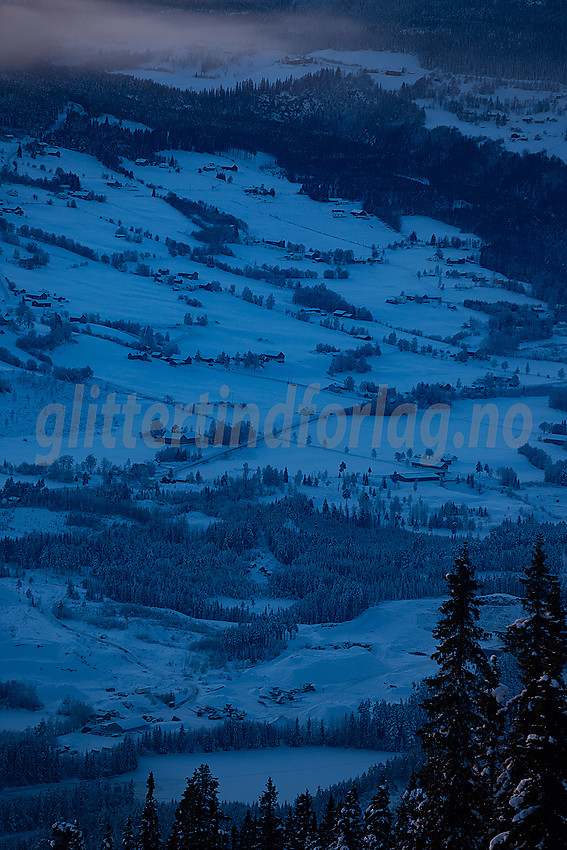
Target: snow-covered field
235,325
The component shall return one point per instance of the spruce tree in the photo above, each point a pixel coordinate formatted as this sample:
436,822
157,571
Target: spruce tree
269,823
249,836
378,822
149,837
450,815
128,840
301,828
107,842
407,816
533,786
348,832
197,822
66,836
327,823
491,741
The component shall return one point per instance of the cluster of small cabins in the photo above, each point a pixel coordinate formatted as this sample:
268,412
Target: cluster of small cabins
177,360
37,299
416,299
338,212
218,168
178,279
149,356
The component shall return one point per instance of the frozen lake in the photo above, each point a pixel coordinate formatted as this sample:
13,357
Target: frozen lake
242,774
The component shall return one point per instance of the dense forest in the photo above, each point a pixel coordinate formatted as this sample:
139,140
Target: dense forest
334,562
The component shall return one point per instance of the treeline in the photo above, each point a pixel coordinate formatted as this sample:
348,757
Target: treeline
354,359
59,241
555,471
49,184
375,726
558,398
11,234
32,757
15,694
216,227
92,802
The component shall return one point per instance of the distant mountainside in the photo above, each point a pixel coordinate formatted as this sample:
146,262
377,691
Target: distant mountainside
513,38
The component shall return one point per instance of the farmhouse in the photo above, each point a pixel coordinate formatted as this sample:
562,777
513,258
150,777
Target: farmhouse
37,296
441,468
120,728
558,440
277,358
176,438
412,477
298,60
